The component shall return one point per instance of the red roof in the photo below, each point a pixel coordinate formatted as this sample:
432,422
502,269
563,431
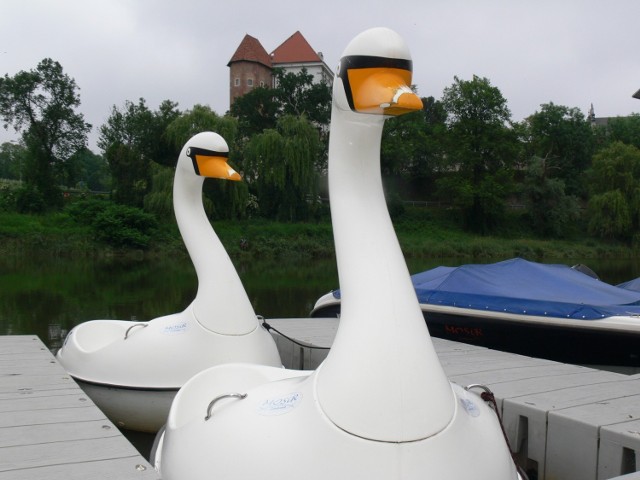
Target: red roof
251,50
295,49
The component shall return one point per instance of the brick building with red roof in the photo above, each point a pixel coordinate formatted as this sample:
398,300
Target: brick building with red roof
251,66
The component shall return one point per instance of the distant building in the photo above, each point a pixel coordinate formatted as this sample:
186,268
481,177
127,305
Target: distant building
251,66
597,121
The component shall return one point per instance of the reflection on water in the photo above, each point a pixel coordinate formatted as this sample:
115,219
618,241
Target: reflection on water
49,296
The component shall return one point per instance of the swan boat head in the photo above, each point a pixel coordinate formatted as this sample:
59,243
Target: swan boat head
209,155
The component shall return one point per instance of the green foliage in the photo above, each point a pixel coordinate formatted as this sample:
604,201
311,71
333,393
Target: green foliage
41,104
30,200
132,138
564,138
298,95
115,225
124,226
12,160
85,212
481,149
90,171
256,111
200,119
412,144
624,129
614,179
552,212
280,165
609,215
159,200
131,174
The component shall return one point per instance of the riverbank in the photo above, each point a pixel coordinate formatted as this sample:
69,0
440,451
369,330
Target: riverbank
422,234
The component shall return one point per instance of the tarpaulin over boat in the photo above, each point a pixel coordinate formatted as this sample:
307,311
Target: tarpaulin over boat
631,285
522,287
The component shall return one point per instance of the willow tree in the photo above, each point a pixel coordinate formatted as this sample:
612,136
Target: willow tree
614,205
280,166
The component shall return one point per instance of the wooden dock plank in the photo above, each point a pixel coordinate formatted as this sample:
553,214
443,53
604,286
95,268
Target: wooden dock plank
46,417
50,429
55,432
112,469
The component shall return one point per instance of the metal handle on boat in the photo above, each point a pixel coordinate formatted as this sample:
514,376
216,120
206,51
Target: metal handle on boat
143,325
478,385
226,395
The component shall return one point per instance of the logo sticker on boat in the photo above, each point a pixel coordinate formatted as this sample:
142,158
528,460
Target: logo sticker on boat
175,329
280,405
470,407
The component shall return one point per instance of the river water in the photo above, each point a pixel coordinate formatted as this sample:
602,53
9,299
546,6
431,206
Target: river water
46,296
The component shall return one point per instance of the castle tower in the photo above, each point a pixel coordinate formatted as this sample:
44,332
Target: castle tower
250,67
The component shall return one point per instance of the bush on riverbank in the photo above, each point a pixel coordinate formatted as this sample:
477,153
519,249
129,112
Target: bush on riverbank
423,233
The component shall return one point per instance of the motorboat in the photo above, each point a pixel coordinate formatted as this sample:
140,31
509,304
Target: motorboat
133,370
550,311
380,405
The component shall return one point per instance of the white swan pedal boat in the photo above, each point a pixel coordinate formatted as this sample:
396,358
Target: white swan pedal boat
133,370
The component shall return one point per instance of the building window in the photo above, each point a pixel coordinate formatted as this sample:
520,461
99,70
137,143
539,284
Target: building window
250,82
237,82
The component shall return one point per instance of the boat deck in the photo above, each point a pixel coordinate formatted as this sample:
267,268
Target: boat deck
565,422
49,429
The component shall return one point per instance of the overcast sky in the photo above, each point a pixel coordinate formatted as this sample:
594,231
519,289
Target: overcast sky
569,52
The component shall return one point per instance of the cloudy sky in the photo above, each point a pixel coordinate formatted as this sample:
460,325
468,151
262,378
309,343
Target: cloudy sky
569,52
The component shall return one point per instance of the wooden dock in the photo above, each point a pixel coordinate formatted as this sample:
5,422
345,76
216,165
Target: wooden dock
565,422
49,429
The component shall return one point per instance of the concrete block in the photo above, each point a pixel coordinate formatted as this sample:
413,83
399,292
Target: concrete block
619,452
573,435
525,411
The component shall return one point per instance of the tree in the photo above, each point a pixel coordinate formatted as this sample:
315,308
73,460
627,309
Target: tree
41,104
564,138
298,95
411,150
280,166
12,160
625,129
552,211
614,180
131,139
256,111
294,94
200,119
90,171
480,151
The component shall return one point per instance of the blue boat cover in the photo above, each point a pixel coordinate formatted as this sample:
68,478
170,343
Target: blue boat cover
526,288
522,287
631,285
